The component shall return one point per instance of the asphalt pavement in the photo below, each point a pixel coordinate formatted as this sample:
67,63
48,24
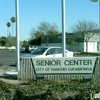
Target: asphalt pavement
9,58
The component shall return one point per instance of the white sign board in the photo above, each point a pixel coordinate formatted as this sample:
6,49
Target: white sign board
64,65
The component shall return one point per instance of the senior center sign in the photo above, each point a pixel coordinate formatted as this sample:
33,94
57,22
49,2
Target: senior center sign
64,65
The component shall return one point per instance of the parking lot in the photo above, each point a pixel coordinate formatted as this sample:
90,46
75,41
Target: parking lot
9,58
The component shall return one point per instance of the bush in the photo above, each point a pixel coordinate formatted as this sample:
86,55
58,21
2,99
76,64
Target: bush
1,64
90,53
49,90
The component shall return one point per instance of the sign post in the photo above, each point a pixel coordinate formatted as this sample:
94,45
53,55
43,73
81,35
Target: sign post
17,34
99,32
63,29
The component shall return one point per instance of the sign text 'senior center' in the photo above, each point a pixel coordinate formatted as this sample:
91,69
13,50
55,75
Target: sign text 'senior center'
66,62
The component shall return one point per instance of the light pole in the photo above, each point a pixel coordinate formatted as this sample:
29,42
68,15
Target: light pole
17,34
63,29
99,32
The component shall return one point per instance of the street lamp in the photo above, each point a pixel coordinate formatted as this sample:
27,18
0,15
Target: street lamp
17,34
99,32
63,29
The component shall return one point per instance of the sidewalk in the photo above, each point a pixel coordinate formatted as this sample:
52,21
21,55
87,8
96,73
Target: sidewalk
6,77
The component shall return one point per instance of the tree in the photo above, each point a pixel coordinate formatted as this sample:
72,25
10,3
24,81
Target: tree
25,43
35,37
11,41
47,28
32,33
72,42
3,41
35,41
38,34
85,29
13,21
8,25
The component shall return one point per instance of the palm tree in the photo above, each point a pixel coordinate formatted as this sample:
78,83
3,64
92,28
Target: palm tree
8,25
12,20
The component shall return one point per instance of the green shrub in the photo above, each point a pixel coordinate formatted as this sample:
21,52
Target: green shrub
1,64
90,53
49,90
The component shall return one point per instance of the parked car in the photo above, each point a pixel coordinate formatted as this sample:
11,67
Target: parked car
22,49
29,48
47,52
11,48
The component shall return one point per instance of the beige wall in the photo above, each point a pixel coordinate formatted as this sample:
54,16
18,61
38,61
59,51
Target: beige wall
95,37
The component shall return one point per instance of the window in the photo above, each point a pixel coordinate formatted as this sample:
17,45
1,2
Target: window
51,51
39,51
97,46
58,50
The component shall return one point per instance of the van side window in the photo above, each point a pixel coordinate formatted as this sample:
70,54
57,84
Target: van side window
51,51
58,50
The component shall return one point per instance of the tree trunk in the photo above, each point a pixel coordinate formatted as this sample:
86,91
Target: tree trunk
12,29
8,32
86,46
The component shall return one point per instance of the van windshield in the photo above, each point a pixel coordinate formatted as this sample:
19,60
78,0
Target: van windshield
39,51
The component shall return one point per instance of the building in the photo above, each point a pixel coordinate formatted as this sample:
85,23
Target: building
56,40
